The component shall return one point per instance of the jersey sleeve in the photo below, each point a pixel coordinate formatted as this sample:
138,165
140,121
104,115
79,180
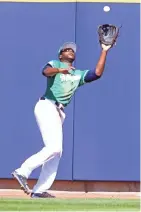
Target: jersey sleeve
52,63
82,79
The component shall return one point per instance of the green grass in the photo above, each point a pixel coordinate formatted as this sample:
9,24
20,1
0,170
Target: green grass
69,205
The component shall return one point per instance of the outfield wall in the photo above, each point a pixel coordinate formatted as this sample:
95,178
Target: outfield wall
101,131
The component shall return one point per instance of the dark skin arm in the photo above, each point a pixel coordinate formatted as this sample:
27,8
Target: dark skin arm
49,71
102,60
101,64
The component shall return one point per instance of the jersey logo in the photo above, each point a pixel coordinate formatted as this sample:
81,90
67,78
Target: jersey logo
68,77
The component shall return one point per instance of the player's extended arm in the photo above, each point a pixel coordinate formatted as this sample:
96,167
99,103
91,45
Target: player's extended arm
101,63
98,71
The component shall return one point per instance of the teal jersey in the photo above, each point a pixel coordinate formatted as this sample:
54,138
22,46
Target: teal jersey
61,87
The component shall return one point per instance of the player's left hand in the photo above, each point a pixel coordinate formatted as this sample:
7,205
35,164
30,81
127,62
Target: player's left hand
106,47
108,35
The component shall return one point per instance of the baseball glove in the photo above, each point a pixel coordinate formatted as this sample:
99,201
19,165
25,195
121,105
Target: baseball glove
108,34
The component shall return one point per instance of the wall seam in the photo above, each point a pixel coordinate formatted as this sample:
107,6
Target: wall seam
75,31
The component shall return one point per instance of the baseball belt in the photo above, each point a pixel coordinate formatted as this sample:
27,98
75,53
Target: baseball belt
59,105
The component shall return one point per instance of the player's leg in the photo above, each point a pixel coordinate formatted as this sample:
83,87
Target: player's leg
50,167
47,176
48,119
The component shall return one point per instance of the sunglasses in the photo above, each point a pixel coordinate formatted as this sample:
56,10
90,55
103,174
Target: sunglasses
67,50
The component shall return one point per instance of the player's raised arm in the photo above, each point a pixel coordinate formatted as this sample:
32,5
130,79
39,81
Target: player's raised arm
107,37
97,72
102,60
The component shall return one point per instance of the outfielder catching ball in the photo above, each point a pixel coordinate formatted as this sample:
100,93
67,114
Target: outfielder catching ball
62,81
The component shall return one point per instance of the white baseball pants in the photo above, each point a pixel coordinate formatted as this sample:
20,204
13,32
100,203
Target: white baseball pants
50,120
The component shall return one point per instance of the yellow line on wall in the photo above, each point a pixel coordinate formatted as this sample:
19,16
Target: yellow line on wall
111,1
57,1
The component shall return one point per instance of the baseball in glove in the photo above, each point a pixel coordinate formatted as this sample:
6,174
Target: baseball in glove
108,34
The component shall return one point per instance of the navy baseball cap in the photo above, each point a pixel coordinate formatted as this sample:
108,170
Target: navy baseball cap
68,45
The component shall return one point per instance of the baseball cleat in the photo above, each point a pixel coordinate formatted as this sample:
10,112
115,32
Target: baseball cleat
41,195
22,181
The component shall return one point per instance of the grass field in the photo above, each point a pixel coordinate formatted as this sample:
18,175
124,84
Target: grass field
69,205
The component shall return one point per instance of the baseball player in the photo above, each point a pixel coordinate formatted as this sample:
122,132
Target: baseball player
62,81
